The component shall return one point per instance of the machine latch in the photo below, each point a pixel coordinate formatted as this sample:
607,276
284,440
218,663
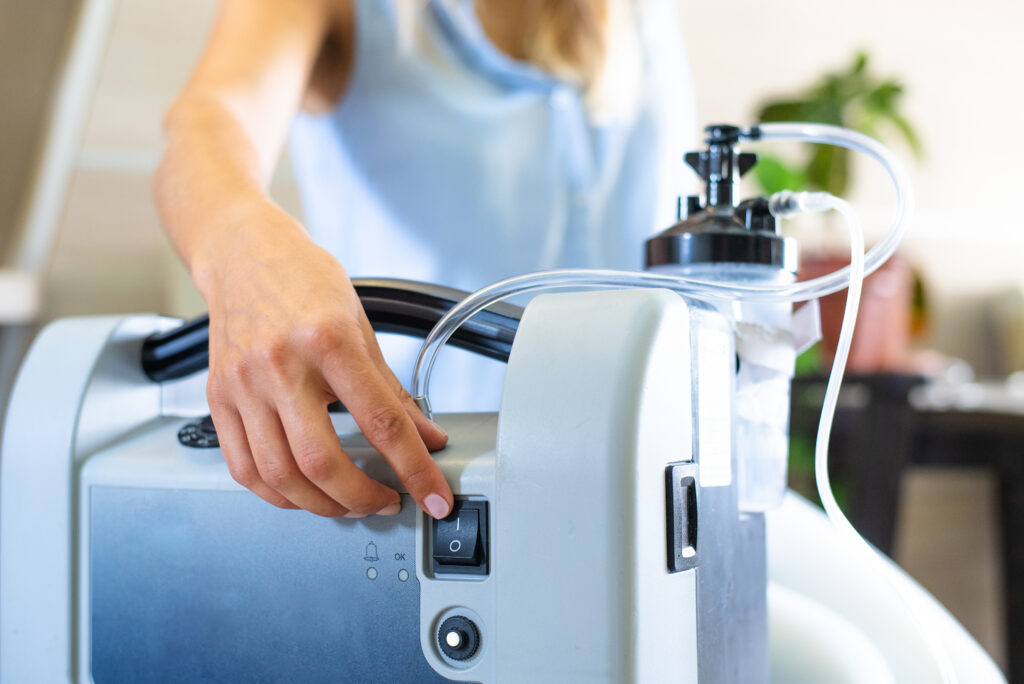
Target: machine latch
681,491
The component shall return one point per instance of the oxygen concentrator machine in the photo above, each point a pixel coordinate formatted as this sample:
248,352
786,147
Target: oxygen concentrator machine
607,525
586,543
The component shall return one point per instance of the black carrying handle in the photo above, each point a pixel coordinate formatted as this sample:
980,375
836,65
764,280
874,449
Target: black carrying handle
406,307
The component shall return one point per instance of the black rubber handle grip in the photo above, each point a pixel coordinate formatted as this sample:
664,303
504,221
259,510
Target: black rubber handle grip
393,306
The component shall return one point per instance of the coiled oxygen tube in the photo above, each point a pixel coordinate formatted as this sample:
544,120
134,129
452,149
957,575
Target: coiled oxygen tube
782,204
839,521
852,140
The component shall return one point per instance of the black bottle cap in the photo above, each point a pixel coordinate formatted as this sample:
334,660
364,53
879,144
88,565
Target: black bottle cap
717,242
717,229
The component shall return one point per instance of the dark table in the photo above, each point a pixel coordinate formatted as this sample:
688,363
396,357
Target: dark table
886,423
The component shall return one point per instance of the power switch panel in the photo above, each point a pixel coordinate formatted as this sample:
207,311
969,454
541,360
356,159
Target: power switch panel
460,540
681,512
457,540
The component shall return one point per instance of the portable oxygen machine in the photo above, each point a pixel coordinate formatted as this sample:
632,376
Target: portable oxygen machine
608,523
596,534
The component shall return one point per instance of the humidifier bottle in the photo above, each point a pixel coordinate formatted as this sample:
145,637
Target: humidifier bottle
720,239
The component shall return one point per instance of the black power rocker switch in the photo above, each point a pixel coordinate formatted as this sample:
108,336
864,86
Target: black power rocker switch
460,540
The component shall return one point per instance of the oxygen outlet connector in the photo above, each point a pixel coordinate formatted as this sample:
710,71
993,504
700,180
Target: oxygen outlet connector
423,402
785,203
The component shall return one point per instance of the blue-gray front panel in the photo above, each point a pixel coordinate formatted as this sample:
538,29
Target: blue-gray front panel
213,586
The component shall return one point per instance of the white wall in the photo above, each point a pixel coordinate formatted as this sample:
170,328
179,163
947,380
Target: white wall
962,65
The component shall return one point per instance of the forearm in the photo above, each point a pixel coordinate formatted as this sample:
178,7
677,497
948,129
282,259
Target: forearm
226,130
209,184
287,332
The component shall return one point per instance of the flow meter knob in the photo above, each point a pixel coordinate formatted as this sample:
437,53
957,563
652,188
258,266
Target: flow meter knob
199,434
458,638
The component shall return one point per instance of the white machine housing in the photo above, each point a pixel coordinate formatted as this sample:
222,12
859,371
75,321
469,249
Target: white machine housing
125,556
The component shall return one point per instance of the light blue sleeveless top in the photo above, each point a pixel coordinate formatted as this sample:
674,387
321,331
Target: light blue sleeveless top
447,161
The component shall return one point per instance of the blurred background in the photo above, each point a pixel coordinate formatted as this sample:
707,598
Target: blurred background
85,84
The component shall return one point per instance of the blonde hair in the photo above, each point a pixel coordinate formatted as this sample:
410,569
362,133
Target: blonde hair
568,38
590,44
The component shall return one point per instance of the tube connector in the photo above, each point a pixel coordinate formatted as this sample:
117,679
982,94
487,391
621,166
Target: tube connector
424,405
785,203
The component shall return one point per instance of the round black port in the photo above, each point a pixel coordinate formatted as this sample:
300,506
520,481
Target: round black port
458,638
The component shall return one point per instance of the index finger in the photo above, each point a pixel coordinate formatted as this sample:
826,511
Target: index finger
327,468
386,425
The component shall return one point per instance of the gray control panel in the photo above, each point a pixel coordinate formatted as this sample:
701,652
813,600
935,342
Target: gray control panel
190,586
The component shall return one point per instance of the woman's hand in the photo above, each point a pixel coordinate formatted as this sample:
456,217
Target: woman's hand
287,332
287,337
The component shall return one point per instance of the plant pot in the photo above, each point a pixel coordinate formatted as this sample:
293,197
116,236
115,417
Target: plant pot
881,340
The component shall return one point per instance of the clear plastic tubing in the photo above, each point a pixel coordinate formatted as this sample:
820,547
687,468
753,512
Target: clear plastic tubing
783,204
835,514
852,140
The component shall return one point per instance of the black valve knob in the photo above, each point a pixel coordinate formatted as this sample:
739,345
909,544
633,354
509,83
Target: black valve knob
720,166
200,434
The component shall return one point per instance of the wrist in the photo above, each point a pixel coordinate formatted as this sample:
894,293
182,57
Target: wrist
247,232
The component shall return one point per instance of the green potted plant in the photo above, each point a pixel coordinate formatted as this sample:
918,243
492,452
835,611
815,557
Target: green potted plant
853,98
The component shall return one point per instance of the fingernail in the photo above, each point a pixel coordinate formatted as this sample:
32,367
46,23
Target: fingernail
440,429
391,509
350,514
436,506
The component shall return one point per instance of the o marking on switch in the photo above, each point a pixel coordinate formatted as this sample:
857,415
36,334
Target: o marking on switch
455,546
